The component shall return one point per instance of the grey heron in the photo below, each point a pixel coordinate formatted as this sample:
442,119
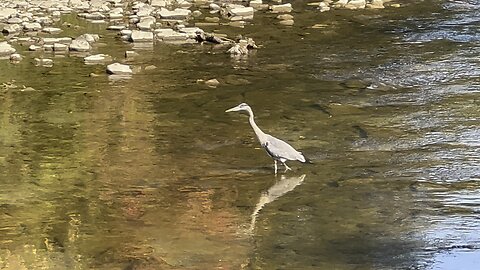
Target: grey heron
276,148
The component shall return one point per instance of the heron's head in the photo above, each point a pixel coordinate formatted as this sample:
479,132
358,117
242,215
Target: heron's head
239,107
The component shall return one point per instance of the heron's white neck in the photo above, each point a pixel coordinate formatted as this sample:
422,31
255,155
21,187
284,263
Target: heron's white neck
260,134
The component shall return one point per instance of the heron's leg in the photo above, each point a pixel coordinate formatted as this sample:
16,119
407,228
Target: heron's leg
286,167
275,164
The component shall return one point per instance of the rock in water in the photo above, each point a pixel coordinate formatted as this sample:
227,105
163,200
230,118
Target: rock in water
80,45
119,69
141,36
356,4
281,8
6,49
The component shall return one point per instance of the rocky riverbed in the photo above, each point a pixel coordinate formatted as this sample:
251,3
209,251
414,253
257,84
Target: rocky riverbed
37,25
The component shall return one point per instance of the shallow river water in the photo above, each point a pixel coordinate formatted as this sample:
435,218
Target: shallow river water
151,173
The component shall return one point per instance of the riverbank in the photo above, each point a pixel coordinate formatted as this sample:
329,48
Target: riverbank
38,26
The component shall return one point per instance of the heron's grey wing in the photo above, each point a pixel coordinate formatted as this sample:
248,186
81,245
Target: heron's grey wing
280,149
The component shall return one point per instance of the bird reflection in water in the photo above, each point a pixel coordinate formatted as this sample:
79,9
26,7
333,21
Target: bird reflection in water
280,188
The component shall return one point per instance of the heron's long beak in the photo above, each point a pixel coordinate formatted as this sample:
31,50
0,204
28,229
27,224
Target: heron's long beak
234,109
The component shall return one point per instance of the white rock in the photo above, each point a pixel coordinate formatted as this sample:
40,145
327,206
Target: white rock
90,38
242,11
212,82
214,6
281,8
191,31
14,20
129,54
196,13
170,35
162,32
16,57
32,26
141,36
59,47
159,3
97,58
34,48
48,47
145,10
256,3
11,29
146,23
116,27
119,69
356,4
341,3
286,22
285,17
6,13
127,32
177,13
376,4
49,40
51,30
45,62
94,16
80,45
6,49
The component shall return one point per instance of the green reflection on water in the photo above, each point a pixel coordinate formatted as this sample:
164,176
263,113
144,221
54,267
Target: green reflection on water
149,173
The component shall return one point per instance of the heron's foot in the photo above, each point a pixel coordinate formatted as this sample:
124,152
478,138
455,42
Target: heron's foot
286,167
275,164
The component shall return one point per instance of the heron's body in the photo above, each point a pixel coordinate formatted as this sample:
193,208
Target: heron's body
276,148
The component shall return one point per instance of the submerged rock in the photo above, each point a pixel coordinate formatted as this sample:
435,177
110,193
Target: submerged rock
97,58
44,62
212,83
119,69
16,57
